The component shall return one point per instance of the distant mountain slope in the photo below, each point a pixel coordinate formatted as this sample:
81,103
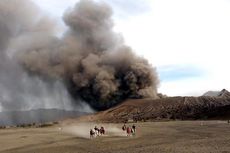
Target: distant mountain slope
211,93
166,108
222,94
35,116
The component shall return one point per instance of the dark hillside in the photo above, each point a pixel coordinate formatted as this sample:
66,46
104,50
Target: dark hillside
182,108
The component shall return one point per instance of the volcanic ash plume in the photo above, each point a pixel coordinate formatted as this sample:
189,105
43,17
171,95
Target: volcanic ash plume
90,58
23,27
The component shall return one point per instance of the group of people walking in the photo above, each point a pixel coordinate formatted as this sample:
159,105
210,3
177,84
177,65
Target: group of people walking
97,132
129,130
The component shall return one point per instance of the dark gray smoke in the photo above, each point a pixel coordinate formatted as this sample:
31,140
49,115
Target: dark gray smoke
90,59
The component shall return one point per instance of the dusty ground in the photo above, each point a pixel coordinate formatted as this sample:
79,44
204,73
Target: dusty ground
173,136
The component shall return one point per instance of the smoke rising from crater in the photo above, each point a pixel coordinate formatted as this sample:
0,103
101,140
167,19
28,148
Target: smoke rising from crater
90,59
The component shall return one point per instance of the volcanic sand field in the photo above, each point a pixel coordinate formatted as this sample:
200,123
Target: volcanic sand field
173,136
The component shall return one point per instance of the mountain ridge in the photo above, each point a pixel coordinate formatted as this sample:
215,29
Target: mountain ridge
222,94
170,108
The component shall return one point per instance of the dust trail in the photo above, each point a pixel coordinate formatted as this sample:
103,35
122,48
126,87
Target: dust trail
82,130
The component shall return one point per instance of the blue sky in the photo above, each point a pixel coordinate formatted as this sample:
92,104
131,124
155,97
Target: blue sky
187,40
178,72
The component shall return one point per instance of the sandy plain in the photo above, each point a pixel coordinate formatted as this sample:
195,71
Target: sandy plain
151,137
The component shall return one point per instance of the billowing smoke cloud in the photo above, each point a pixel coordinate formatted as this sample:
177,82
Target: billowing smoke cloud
20,22
90,59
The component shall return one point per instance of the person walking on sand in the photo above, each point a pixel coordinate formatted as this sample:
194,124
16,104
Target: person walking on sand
92,133
128,130
96,131
124,127
134,128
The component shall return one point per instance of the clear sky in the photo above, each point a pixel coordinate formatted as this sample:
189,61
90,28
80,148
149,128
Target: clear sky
188,41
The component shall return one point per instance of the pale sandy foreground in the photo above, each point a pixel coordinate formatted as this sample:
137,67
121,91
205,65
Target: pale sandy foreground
156,137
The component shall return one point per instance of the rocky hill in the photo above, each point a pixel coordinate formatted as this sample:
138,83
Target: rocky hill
221,94
182,108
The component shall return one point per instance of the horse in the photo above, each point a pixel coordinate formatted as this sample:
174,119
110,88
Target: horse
102,131
92,133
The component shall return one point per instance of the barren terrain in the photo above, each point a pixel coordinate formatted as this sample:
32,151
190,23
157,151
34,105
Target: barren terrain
173,136
170,108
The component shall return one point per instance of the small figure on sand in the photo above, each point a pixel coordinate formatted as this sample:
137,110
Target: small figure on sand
128,131
92,133
97,130
124,127
102,130
134,128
